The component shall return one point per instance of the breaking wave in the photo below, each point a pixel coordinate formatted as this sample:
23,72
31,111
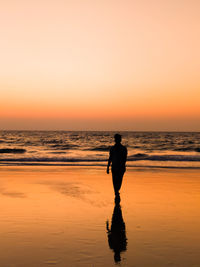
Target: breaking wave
135,157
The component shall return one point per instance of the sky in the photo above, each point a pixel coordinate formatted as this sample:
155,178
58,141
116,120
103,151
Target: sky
100,65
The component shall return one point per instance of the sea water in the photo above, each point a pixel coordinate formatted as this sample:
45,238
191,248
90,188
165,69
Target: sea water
150,149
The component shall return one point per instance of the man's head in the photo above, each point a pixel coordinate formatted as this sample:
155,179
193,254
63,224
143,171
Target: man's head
118,138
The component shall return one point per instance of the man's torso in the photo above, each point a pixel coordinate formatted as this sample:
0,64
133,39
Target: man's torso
118,154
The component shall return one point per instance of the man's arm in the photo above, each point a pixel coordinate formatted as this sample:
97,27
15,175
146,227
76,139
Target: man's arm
109,162
125,157
126,152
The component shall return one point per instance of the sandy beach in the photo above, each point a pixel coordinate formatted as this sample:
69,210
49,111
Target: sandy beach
62,216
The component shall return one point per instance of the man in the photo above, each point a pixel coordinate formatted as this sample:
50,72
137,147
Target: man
118,157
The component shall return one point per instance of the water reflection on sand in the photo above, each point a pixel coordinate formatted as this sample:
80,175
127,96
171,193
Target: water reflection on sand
55,216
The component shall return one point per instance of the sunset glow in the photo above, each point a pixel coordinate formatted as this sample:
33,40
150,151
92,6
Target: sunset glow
100,65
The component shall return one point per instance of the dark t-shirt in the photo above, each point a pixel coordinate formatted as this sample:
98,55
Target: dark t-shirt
118,156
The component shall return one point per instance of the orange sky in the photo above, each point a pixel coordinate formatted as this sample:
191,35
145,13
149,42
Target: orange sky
109,64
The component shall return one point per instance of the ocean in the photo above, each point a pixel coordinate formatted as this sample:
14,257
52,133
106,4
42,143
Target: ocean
91,148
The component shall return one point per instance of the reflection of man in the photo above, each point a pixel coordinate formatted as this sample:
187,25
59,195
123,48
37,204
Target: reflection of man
118,156
117,233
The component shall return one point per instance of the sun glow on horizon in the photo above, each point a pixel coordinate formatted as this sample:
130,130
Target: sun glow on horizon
94,64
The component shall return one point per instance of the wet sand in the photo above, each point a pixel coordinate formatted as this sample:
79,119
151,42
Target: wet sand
66,216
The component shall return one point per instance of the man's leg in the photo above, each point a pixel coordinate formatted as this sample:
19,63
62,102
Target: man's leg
120,178
117,177
114,179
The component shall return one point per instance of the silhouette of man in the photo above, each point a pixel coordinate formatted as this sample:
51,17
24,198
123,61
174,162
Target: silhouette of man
118,157
117,232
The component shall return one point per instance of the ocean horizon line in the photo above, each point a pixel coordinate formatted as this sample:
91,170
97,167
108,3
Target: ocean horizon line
133,131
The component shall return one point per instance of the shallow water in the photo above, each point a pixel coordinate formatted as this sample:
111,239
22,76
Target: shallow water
58,216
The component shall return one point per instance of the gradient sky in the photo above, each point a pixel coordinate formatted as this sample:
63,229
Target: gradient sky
100,64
